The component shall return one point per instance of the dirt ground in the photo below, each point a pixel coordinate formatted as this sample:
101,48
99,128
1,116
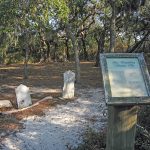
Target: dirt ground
44,80
48,76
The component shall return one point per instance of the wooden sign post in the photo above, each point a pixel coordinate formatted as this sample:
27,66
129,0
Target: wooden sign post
127,84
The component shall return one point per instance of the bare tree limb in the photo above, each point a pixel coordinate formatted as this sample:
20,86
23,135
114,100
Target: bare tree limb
134,48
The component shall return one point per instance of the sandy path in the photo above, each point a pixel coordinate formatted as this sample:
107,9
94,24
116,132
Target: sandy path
61,127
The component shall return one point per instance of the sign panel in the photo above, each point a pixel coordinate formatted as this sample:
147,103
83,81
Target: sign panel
125,76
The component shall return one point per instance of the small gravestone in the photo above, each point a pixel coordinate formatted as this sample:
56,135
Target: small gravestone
5,104
68,89
23,96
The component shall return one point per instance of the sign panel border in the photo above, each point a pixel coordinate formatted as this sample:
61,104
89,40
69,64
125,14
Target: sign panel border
124,100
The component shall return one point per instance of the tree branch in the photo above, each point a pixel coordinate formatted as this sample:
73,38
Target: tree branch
133,49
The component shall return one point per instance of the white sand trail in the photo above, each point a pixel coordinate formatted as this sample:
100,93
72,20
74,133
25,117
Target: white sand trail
62,126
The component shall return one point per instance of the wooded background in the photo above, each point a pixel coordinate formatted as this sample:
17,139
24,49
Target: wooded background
43,31
71,30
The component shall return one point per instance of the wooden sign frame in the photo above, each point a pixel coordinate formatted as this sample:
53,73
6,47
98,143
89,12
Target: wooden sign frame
130,100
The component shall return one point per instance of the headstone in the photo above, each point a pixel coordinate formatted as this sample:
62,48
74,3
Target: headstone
68,89
23,96
5,104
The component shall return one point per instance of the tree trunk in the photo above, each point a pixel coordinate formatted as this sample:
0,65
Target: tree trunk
100,43
134,48
97,54
4,55
128,42
77,61
54,53
67,49
112,28
64,55
26,63
48,56
84,48
76,51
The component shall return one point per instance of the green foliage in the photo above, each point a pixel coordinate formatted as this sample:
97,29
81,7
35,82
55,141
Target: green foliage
32,24
22,21
14,58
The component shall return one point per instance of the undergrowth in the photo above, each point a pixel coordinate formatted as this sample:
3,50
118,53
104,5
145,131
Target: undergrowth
97,140
93,140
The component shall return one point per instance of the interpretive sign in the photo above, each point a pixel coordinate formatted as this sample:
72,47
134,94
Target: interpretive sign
126,78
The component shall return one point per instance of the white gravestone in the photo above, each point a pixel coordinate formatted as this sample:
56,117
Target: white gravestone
23,96
5,104
68,89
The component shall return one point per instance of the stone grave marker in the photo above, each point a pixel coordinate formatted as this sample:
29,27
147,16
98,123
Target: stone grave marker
68,89
5,104
23,96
